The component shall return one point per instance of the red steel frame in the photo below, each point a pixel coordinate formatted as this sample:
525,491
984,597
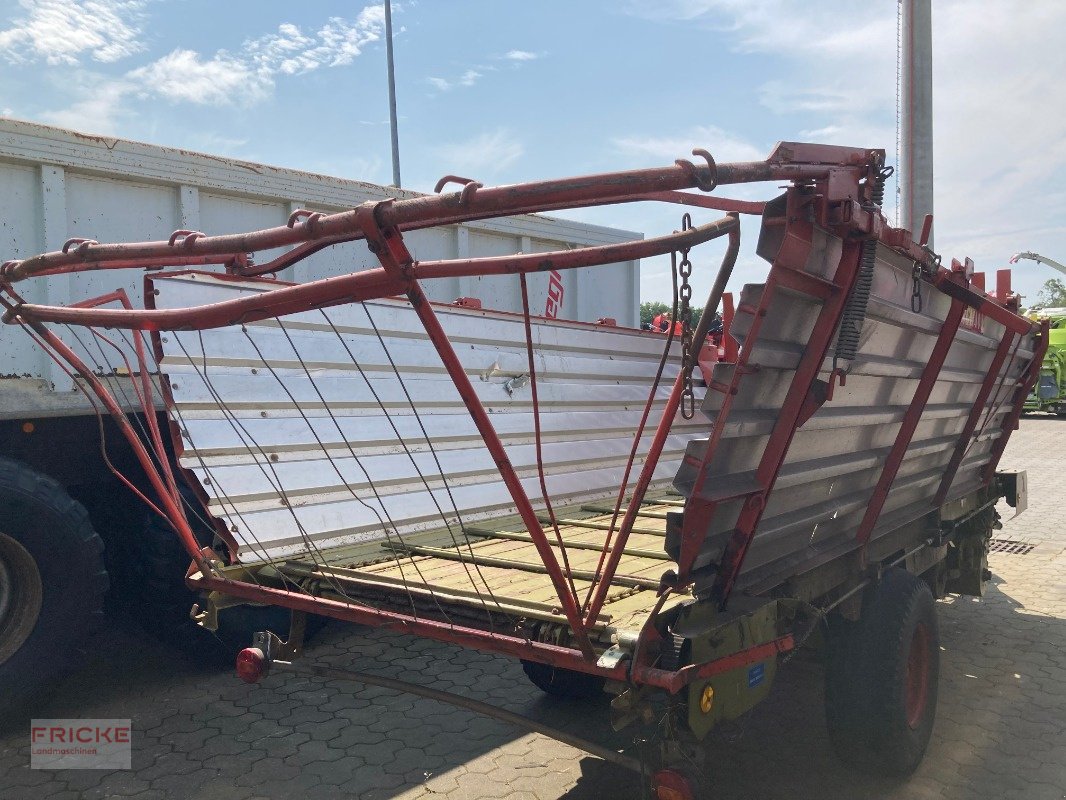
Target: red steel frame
831,188
911,418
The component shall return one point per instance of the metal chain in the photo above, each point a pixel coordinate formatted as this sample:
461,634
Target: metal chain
684,292
916,288
917,272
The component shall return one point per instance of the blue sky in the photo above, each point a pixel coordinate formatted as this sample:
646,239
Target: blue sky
510,91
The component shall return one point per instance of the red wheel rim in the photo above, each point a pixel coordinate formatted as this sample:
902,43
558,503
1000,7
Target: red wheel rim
917,688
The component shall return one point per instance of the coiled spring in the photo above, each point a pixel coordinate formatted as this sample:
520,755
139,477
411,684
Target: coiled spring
854,315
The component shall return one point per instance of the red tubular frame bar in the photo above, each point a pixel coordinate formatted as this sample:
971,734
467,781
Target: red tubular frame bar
1015,324
397,260
788,162
364,615
599,596
911,418
674,682
1025,386
786,425
975,416
170,505
786,271
367,285
830,178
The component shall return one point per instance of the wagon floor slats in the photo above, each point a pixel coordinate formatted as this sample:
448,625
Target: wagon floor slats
495,566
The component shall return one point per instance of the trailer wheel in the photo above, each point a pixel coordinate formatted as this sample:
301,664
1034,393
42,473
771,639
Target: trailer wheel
566,684
162,601
52,583
881,678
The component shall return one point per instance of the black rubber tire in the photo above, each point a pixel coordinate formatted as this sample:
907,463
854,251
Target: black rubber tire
162,601
566,684
54,530
874,723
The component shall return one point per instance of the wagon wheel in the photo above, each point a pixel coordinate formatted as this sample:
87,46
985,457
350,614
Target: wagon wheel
881,678
162,601
52,584
566,684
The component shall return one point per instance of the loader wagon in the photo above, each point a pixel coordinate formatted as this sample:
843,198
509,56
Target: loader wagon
610,506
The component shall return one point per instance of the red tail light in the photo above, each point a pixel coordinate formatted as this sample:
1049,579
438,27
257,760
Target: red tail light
251,665
670,784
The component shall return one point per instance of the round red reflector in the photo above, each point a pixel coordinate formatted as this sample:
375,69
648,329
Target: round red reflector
251,665
670,784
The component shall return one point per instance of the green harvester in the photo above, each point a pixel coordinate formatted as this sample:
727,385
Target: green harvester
1049,394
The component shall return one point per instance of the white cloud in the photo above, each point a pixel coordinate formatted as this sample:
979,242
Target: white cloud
342,41
833,28
246,76
468,78
472,75
482,156
336,44
61,31
100,111
282,50
183,75
521,55
999,153
664,149
782,98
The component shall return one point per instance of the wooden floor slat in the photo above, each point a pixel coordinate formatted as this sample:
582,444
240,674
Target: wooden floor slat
502,556
513,564
574,542
598,524
642,514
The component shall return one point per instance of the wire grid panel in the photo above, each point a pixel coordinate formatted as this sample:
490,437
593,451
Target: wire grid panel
329,428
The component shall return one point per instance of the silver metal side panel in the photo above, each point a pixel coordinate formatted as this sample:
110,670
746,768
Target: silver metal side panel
836,458
296,455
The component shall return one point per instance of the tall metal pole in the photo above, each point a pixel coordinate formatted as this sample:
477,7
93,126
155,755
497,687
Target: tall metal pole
392,96
916,95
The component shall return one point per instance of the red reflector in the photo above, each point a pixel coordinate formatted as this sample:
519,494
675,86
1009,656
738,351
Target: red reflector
251,664
672,785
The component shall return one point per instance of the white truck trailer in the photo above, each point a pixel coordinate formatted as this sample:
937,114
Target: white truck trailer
57,185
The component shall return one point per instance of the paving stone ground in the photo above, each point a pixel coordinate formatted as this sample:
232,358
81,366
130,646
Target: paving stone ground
200,734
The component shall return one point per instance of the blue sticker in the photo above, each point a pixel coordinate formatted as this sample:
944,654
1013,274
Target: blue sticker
756,675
